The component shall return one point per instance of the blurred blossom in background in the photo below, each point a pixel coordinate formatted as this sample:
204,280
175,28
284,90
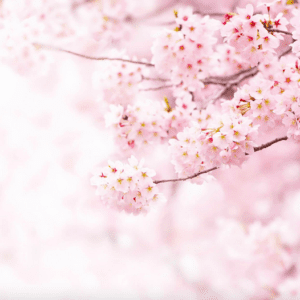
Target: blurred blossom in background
57,241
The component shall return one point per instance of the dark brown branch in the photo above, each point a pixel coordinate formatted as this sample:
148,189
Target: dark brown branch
288,51
229,85
223,80
263,146
186,178
193,96
279,31
250,74
233,80
222,92
209,81
37,45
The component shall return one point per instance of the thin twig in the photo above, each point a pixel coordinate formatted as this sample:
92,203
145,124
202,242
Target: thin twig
193,96
224,79
235,82
164,23
156,88
91,57
263,146
198,12
186,178
154,79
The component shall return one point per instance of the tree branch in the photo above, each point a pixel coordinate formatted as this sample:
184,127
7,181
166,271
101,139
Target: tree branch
288,51
263,146
214,14
279,31
154,79
223,80
37,45
156,88
186,178
229,85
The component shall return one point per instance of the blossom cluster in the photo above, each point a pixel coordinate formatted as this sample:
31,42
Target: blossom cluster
296,33
104,21
230,59
26,25
119,83
226,141
29,25
149,122
17,45
127,187
256,102
185,53
249,34
182,115
143,123
287,86
275,7
272,100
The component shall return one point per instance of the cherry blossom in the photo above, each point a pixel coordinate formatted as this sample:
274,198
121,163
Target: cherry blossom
17,40
224,141
185,52
296,32
121,80
247,33
103,21
127,187
138,125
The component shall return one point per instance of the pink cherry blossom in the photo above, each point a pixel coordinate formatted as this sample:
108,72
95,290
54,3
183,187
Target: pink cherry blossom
224,141
248,35
126,187
184,53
